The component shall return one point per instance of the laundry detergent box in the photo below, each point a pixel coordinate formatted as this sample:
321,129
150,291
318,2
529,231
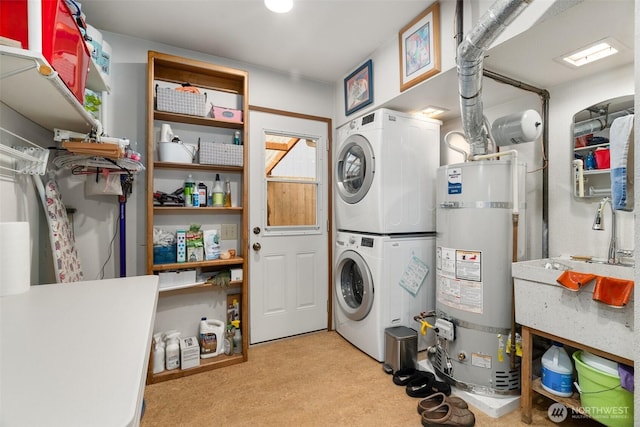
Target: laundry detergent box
189,352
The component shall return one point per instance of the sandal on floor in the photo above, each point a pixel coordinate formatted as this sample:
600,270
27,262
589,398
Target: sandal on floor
426,386
448,415
437,399
406,375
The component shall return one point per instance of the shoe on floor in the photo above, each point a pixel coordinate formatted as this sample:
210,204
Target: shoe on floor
407,375
426,386
437,399
448,415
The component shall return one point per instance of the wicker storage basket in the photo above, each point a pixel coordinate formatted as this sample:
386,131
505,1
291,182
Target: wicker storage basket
215,153
175,101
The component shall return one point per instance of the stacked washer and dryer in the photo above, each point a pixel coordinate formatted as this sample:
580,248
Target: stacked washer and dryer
385,215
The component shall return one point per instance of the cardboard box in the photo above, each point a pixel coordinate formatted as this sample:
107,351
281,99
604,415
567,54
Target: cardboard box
236,274
170,279
189,353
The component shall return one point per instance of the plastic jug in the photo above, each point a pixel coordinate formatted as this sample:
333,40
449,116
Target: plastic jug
211,338
158,353
172,351
557,371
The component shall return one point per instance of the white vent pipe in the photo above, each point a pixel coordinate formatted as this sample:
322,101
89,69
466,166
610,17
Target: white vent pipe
470,59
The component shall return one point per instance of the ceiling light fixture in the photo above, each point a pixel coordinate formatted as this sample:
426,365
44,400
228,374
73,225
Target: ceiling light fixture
279,6
593,52
432,111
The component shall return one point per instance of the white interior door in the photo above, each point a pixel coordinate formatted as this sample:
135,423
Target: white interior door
288,246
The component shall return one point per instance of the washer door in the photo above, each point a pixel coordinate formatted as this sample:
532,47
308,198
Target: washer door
353,285
355,169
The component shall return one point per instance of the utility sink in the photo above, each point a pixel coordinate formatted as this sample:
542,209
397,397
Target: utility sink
543,304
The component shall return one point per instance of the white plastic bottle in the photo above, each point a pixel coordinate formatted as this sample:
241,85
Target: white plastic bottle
211,338
158,354
218,192
172,351
237,341
557,371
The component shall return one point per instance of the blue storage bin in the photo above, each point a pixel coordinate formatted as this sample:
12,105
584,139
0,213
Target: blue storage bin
164,254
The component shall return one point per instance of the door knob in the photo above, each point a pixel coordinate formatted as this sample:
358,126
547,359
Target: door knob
257,246
256,230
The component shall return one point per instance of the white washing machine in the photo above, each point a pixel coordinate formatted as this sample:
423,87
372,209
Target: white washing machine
382,281
385,173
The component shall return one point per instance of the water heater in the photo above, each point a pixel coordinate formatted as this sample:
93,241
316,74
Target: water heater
474,252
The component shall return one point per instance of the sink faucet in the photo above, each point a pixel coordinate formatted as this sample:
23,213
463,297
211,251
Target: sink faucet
598,224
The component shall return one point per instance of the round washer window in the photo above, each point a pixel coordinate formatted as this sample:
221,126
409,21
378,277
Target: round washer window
354,286
355,169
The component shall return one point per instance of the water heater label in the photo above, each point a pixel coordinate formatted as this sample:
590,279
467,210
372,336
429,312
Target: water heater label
459,279
454,181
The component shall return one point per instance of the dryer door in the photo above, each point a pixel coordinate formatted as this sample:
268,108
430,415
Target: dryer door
353,285
355,168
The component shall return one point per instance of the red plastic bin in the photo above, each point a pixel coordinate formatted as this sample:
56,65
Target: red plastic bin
63,45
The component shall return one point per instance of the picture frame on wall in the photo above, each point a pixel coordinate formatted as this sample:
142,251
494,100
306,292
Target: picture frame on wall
420,48
358,88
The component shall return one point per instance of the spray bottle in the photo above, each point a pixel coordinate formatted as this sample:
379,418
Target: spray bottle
158,353
172,351
237,337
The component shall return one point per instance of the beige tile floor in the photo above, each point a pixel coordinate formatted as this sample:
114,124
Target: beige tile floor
318,379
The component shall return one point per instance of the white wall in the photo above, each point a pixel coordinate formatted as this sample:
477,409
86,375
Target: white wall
19,199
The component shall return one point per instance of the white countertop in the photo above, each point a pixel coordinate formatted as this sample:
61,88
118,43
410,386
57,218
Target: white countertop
76,354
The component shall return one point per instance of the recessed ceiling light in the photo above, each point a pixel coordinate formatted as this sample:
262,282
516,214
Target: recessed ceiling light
432,111
593,52
279,6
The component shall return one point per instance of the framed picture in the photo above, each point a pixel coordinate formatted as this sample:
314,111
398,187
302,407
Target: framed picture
358,88
420,48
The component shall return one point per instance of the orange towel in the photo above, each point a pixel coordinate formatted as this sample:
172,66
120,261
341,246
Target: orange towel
614,292
573,280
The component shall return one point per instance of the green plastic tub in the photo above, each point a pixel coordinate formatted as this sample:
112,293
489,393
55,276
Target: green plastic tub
602,397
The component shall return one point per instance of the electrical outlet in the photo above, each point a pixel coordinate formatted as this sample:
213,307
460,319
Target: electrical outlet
229,232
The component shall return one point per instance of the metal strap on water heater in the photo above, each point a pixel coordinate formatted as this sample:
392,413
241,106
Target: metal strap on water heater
475,326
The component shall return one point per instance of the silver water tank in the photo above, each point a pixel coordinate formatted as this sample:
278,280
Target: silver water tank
474,242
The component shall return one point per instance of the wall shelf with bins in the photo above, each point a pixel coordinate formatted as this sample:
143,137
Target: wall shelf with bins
31,87
591,132
219,83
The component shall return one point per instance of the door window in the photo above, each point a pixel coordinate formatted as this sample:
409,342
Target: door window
292,182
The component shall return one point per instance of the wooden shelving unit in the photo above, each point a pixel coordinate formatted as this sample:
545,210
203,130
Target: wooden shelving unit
208,77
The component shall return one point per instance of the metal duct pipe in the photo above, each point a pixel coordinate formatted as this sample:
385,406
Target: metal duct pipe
470,59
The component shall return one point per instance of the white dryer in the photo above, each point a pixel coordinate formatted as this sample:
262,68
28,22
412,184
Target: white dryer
379,282
385,173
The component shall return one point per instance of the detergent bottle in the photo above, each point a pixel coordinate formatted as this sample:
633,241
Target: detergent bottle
172,351
158,353
211,338
557,371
